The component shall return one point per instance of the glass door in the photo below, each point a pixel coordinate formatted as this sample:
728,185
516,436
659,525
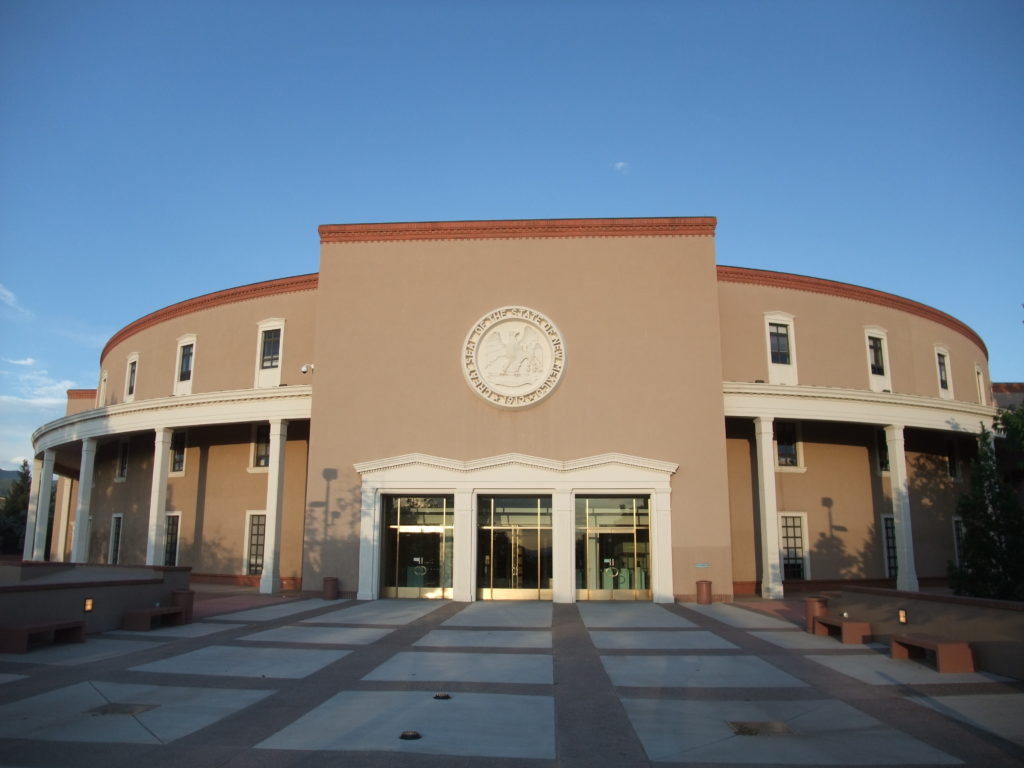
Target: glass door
417,549
613,559
514,548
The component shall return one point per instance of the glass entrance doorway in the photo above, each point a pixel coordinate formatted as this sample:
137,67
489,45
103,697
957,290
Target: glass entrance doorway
417,559
514,548
613,559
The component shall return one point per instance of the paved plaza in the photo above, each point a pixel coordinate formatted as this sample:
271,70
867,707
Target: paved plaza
260,681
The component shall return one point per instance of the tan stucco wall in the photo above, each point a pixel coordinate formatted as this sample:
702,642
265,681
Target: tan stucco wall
639,319
830,341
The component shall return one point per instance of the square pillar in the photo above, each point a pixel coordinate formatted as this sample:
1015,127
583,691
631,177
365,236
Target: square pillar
270,580
80,540
563,545
906,571
771,556
464,549
157,494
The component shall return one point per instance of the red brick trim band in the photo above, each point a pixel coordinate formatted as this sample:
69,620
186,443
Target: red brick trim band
515,229
846,291
1007,387
211,300
81,394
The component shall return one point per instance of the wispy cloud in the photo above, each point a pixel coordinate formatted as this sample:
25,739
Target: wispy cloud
7,297
37,389
26,361
620,166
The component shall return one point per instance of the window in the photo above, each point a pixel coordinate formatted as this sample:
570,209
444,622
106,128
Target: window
171,529
256,533
793,546
178,452
122,462
788,448
130,378
958,540
101,398
261,445
269,350
781,340
185,365
979,377
943,374
889,542
114,549
882,450
879,375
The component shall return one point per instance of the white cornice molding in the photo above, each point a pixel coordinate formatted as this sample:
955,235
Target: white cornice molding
514,459
226,407
743,399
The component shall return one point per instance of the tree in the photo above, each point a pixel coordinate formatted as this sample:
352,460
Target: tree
15,511
993,523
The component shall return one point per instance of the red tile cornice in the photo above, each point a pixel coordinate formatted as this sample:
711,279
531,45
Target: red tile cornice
211,300
517,229
1007,387
846,291
81,394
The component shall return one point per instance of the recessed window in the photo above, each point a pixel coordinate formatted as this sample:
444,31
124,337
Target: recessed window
269,352
793,546
788,450
131,376
889,545
261,446
185,362
172,528
943,373
879,375
122,462
256,538
114,547
185,367
781,343
876,354
979,377
270,356
178,452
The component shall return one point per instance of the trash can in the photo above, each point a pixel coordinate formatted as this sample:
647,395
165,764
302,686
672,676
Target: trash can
814,606
184,599
330,588
703,593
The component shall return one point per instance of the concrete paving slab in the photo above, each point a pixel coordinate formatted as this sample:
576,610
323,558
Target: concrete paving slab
740,618
686,640
612,615
117,712
11,678
425,666
468,724
499,613
387,612
319,635
198,629
876,669
696,672
996,713
802,641
826,732
486,638
70,654
232,661
280,611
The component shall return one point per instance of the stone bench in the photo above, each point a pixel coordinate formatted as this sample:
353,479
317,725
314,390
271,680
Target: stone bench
145,619
849,631
20,639
950,655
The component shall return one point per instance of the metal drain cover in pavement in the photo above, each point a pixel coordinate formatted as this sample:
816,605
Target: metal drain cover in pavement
117,708
759,727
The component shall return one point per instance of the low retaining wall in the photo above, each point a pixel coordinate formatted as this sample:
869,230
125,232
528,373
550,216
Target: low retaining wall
50,592
994,628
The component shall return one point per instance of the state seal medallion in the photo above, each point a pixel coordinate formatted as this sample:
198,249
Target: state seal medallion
513,357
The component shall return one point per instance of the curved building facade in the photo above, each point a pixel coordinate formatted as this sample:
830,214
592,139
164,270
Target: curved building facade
556,410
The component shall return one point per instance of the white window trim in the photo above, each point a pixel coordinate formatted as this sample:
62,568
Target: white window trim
268,377
122,450
947,393
110,538
885,548
177,542
252,452
780,373
184,455
878,383
979,377
804,535
248,539
800,466
185,387
129,397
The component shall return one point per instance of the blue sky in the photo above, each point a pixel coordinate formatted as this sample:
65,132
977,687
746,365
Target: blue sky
155,151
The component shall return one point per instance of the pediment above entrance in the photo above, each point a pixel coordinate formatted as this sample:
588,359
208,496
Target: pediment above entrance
520,460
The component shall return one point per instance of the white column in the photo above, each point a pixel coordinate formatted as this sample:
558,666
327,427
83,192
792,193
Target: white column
563,545
270,581
80,540
33,509
771,565
464,549
65,516
370,543
906,572
662,590
43,506
157,493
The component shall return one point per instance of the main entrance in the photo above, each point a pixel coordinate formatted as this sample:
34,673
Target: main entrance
613,559
514,547
418,546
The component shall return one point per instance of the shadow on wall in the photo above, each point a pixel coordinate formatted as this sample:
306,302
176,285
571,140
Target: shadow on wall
831,553
332,535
